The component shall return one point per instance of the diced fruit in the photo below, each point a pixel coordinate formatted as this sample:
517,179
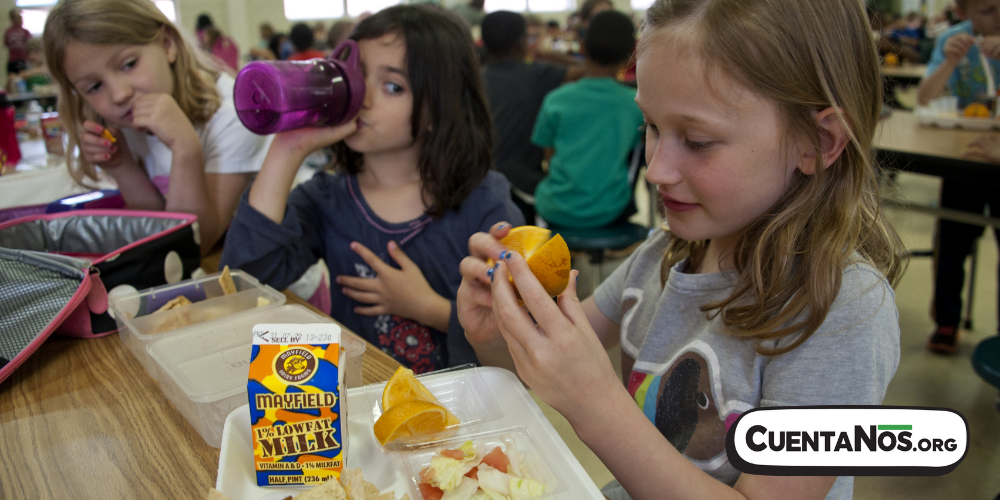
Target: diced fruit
456,454
430,492
497,460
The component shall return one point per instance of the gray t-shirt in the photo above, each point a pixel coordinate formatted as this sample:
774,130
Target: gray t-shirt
692,380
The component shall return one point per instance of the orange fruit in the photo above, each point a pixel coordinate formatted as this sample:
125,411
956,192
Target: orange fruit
548,259
403,386
410,418
977,110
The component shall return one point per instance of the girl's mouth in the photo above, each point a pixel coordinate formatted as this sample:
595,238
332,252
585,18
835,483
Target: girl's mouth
677,206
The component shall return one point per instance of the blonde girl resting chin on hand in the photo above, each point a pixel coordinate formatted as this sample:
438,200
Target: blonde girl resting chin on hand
772,286
178,145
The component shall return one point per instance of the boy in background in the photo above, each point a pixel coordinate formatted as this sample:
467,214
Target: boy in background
588,129
956,68
515,89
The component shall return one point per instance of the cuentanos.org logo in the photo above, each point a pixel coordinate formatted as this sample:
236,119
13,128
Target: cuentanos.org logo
848,441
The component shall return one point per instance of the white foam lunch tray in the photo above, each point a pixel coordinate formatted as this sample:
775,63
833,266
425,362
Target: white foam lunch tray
387,469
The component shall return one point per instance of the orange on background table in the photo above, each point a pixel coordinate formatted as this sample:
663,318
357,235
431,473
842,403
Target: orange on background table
82,419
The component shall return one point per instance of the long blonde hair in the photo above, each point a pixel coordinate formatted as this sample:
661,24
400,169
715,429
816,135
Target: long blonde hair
804,55
122,22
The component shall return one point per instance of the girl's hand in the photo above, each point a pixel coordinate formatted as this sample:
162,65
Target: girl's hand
560,357
475,297
162,116
302,141
957,46
402,292
985,147
990,46
100,150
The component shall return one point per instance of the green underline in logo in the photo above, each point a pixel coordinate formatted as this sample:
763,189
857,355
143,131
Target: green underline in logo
895,427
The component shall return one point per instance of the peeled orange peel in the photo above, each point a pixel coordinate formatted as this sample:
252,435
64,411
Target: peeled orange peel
548,258
409,409
977,110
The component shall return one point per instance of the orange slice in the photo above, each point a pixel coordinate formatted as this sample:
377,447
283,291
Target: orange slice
404,387
548,259
977,110
410,418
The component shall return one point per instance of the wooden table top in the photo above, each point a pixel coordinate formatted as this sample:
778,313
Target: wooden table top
82,419
902,132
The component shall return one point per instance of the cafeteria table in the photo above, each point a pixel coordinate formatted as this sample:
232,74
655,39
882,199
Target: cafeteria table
81,419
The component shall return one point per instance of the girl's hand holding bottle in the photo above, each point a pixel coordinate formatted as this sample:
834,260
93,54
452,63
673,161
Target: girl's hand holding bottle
403,292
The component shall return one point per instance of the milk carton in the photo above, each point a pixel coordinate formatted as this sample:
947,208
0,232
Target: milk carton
298,413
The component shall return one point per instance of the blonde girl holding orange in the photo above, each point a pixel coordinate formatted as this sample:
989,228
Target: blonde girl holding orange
772,285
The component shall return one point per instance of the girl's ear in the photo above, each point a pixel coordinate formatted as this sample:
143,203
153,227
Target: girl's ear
169,44
832,141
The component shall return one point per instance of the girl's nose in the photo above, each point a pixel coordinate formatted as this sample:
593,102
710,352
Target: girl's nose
370,88
662,164
121,91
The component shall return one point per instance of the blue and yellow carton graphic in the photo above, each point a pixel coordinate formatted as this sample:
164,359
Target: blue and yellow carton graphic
297,414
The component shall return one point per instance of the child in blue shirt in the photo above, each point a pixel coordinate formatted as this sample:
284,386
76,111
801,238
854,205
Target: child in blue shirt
413,182
588,128
956,68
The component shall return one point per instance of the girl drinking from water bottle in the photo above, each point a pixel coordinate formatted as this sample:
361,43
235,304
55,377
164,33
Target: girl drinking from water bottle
412,184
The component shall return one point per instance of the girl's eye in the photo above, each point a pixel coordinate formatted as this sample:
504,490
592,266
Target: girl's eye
649,127
394,88
93,88
697,146
130,64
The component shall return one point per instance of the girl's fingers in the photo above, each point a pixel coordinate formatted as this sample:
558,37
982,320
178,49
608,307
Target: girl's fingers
569,303
481,295
537,300
500,229
363,284
475,269
370,311
510,315
368,256
360,296
485,246
397,254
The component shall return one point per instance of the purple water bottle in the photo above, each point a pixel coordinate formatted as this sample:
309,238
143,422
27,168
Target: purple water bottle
273,96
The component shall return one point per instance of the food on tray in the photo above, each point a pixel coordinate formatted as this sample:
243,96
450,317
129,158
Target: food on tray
351,486
977,110
409,409
226,281
262,301
297,410
548,259
463,474
174,303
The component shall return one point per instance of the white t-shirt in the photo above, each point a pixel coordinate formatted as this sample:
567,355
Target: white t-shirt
228,147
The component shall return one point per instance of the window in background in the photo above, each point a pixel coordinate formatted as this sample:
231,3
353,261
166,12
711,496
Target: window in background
167,8
296,10
641,4
34,20
357,7
511,5
551,5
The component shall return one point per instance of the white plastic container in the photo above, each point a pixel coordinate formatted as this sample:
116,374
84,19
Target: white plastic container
139,323
203,370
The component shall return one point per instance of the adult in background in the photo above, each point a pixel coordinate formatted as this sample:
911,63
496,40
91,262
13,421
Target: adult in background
16,39
263,50
218,45
515,90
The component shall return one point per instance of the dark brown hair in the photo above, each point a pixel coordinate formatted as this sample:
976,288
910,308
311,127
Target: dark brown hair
443,70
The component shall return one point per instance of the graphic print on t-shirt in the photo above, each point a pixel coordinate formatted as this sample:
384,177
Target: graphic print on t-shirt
685,402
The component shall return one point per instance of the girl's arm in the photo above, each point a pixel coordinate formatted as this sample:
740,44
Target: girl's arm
116,160
563,361
269,194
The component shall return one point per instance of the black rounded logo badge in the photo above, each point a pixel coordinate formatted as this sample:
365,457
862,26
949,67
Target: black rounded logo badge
295,366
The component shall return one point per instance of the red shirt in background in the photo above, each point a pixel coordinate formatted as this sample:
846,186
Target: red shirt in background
305,55
16,39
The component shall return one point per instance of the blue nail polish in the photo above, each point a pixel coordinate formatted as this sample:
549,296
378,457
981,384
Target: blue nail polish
489,272
501,226
504,255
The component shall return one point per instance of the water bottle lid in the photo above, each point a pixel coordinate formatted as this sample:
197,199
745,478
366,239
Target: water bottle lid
347,60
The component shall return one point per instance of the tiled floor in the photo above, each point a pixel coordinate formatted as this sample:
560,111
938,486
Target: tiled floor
922,379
